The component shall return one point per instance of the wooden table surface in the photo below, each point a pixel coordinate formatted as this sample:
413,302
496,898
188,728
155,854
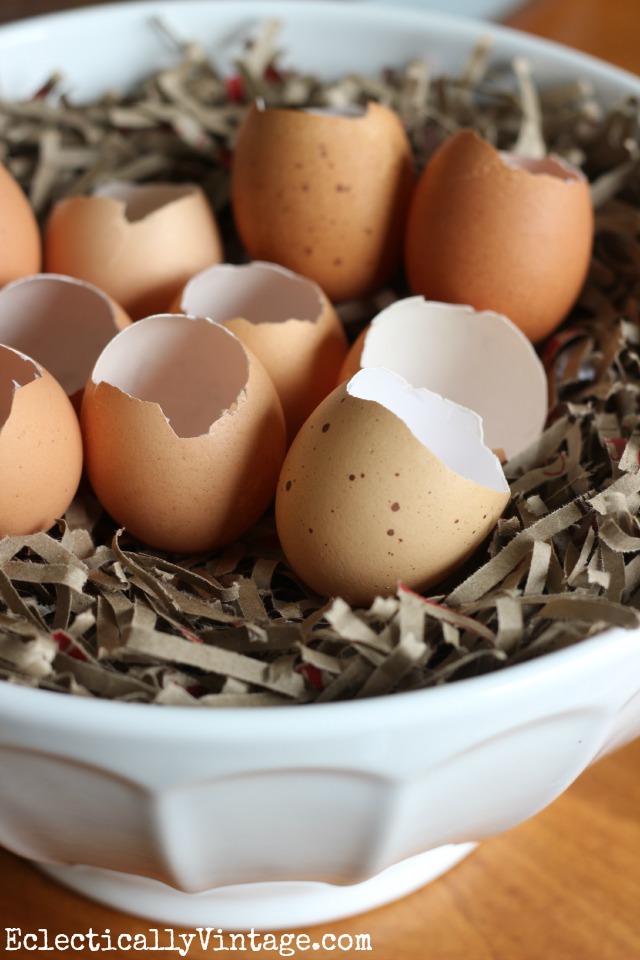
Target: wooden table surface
565,885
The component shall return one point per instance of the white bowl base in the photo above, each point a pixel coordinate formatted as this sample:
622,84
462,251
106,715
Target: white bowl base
258,906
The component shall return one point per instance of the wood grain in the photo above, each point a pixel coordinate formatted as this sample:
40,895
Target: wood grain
563,886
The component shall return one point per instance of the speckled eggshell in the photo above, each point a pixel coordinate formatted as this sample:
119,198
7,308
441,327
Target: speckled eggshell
62,323
20,243
325,194
499,232
285,319
362,504
184,433
40,446
139,243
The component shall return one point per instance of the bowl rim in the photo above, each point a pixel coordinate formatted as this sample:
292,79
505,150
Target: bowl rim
385,13
28,700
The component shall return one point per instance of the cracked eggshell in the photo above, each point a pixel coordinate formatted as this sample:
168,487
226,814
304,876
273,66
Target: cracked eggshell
384,484
285,319
61,322
138,242
324,193
20,242
500,232
184,433
479,359
40,446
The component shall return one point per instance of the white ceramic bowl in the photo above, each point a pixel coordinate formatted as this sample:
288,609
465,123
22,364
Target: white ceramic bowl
282,817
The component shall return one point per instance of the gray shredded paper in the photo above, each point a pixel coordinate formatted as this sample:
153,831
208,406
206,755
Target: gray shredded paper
87,610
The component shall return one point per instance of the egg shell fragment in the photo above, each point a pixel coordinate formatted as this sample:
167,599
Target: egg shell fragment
385,484
62,323
138,242
184,433
500,232
478,359
285,319
20,242
40,446
324,193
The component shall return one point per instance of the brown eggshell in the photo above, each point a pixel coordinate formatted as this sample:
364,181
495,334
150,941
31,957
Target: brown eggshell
184,433
62,322
137,242
284,319
500,233
20,243
363,503
324,194
40,446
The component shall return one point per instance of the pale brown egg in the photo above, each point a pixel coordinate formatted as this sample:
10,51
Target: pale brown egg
285,319
184,433
138,242
324,193
385,484
40,446
20,243
500,232
477,358
62,323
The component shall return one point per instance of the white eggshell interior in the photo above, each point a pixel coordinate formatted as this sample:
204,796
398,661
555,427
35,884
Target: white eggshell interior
61,322
478,359
195,370
551,164
448,430
259,292
17,371
142,199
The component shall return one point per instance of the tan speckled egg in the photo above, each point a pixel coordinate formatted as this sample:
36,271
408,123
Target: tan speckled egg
500,232
385,484
286,320
40,446
184,433
139,243
61,322
20,244
324,193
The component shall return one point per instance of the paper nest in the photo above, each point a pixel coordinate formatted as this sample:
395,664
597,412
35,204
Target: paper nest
88,611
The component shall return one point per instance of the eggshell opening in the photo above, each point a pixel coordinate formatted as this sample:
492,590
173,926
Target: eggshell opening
141,200
167,360
19,370
279,315
478,359
450,431
259,292
61,322
551,165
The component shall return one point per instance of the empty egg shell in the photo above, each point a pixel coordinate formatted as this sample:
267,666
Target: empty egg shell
20,244
500,232
137,242
478,359
286,321
324,193
61,322
40,446
184,433
384,484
